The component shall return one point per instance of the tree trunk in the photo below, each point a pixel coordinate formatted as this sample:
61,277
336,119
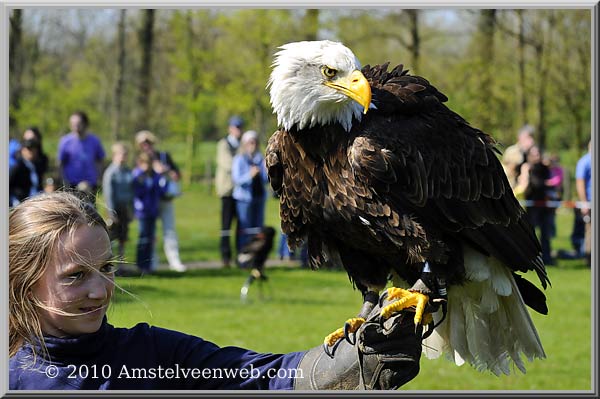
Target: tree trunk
543,66
486,28
146,38
193,96
120,77
310,24
15,64
541,100
521,61
415,44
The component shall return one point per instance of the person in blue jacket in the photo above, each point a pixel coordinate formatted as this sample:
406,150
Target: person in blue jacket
13,152
148,185
249,175
61,282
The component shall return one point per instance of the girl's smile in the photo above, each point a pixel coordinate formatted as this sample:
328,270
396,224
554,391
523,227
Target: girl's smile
76,288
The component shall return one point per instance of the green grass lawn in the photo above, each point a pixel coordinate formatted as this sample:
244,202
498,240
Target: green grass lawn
299,307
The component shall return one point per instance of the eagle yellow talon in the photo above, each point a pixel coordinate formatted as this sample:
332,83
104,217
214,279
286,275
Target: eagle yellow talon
338,334
407,299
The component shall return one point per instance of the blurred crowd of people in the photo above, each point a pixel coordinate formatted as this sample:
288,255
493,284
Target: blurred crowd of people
145,191
537,180
240,182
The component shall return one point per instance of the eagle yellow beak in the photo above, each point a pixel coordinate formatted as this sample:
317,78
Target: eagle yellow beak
354,86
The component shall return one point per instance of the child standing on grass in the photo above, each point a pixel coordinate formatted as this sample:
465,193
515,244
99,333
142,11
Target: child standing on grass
148,187
61,282
117,184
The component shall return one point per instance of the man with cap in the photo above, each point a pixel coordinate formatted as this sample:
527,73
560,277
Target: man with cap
227,147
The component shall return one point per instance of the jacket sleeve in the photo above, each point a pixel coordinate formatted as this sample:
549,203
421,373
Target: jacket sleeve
61,158
172,165
223,157
240,174
100,153
226,367
263,171
107,188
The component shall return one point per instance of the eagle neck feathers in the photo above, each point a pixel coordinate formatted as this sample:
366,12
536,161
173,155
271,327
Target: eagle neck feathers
320,141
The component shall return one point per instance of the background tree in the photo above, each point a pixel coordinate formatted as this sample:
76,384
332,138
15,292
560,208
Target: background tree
521,61
572,78
15,63
146,39
311,24
118,100
542,38
486,29
384,35
244,56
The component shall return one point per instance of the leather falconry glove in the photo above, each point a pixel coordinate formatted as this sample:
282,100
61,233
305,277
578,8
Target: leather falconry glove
384,356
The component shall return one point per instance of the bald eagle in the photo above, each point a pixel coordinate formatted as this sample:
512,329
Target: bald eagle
376,174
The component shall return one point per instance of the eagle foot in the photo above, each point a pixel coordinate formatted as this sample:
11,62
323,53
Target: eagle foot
332,340
407,299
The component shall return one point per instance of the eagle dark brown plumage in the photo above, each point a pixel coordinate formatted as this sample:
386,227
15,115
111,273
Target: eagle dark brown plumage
409,182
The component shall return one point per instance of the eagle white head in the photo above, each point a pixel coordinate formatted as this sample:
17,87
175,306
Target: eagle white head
317,83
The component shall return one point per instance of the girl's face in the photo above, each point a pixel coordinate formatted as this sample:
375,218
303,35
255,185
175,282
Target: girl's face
79,282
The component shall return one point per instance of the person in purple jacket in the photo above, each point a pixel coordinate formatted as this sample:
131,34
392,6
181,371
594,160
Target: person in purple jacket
148,186
80,157
61,281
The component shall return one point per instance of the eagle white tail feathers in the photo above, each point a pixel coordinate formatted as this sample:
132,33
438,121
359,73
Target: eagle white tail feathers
487,323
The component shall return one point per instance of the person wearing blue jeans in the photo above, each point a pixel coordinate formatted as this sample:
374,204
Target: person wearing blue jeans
249,175
285,253
147,190
145,245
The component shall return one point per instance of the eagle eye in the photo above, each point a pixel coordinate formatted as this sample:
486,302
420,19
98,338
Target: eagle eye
328,72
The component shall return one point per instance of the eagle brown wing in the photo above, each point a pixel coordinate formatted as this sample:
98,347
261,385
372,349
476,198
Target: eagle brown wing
295,200
273,162
429,162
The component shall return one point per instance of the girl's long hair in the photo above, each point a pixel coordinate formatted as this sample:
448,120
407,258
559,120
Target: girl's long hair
35,228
